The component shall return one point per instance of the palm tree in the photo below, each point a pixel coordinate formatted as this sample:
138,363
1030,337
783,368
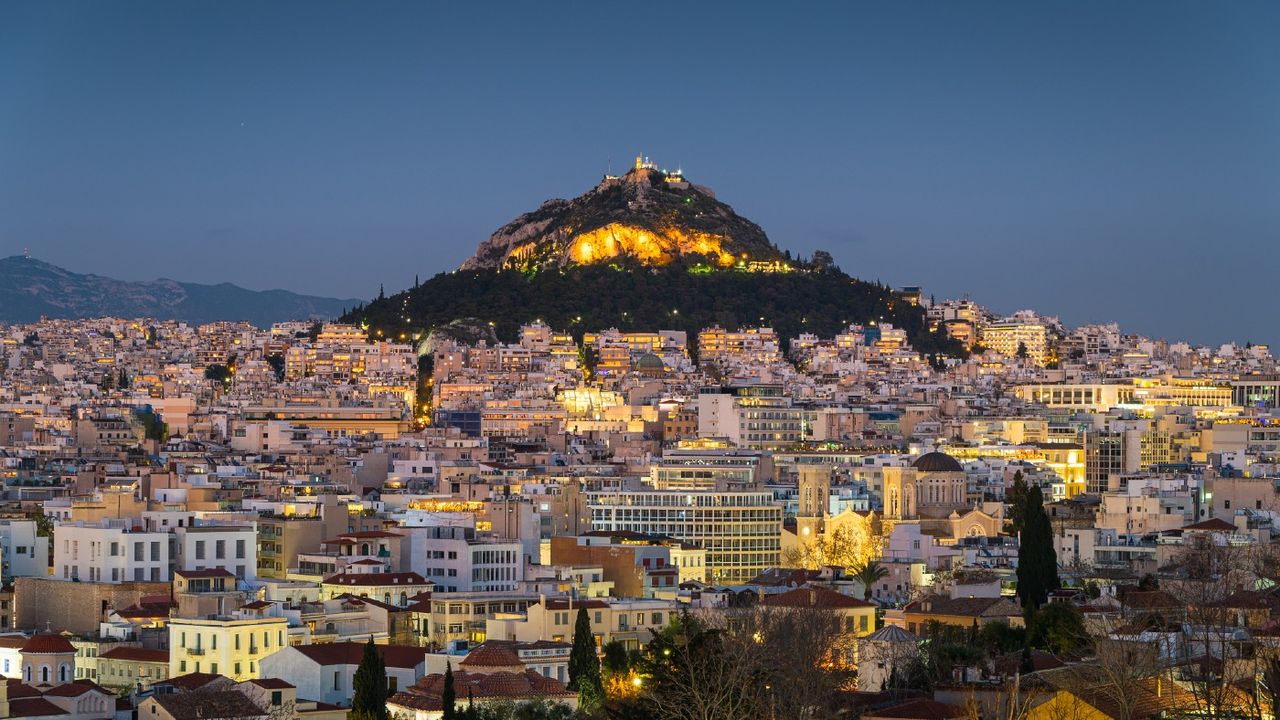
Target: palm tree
869,574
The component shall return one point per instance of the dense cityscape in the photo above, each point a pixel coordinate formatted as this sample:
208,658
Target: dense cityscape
1067,519
853,360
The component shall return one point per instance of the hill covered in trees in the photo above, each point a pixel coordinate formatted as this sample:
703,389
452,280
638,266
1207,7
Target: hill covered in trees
595,297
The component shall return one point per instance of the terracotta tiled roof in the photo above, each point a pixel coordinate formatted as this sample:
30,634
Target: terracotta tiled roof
349,653
426,693
206,573
372,579
209,705
78,688
963,607
814,596
47,643
492,654
193,681
271,683
34,707
136,654
1211,525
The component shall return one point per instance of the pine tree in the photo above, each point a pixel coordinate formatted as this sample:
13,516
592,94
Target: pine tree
369,700
448,696
1037,560
584,664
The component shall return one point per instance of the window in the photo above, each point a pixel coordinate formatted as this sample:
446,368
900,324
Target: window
199,549
337,680
220,549
239,549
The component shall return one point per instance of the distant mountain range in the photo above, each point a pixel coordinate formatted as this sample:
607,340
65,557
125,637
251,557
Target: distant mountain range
30,288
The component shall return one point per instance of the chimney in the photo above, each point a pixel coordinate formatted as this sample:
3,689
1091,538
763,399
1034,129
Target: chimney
813,597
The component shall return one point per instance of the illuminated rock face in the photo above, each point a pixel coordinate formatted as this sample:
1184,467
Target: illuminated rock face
649,247
642,217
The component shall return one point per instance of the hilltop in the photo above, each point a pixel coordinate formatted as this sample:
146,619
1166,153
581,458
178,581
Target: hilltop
644,251
651,217
30,288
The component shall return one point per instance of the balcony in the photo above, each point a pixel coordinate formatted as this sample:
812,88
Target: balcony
195,651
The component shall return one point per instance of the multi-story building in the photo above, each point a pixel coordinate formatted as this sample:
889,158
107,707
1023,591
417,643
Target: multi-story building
756,416
740,531
233,547
23,551
231,645
111,553
457,559
630,622
1018,336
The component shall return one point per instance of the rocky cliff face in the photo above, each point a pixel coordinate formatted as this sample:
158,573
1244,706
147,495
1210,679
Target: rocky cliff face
647,216
30,288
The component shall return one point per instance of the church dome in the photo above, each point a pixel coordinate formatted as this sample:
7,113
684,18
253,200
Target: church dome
937,462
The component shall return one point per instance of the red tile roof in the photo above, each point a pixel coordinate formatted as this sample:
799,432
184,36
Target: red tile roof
206,573
374,579
47,643
814,596
349,653
34,707
1212,525
136,654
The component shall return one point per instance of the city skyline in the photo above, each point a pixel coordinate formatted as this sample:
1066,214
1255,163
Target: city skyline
1066,158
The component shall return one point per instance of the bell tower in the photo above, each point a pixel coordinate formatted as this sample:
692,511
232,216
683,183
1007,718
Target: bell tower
815,494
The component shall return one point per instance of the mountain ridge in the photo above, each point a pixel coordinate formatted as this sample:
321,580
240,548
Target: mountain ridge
32,288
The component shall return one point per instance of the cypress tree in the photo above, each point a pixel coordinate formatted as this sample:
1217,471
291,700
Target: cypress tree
448,696
1037,560
369,699
584,664
1017,501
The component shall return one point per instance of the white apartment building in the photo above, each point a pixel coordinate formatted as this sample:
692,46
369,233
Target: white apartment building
455,559
23,552
760,417
232,547
111,553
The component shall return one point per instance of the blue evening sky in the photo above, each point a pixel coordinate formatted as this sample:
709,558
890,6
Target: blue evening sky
1093,159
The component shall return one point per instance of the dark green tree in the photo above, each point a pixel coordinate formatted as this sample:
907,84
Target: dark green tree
1016,500
1037,560
449,696
1058,628
584,664
217,373
1022,350
276,361
369,699
616,658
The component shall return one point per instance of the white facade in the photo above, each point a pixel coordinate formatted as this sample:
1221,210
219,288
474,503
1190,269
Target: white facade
96,553
233,547
457,561
24,553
